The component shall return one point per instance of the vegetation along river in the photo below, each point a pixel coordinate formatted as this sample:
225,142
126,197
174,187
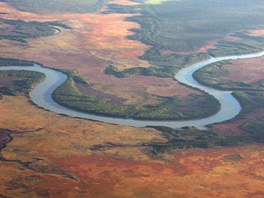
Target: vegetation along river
41,95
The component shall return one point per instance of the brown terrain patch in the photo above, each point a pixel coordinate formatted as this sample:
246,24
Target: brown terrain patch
58,160
88,90
7,80
246,70
88,52
6,28
204,49
232,38
63,163
233,128
256,32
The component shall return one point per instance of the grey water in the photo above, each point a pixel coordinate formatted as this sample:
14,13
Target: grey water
41,95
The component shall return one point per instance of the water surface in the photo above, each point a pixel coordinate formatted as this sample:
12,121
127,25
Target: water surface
41,95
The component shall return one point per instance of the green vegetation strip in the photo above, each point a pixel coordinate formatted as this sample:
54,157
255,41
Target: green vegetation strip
19,30
51,6
211,76
170,28
255,128
14,62
233,157
191,137
250,100
169,108
22,83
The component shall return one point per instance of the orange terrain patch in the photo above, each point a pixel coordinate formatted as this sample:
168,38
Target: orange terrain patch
95,42
256,32
64,163
246,70
204,49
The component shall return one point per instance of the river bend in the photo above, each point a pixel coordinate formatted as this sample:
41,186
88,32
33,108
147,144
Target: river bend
41,95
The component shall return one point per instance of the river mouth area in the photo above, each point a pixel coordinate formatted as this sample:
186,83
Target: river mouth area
41,95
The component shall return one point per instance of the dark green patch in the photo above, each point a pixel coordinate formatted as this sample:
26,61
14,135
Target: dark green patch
185,26
250,100
211,76
255,128
190,137
164,66
169,108
19,30
233,157
23,84
15,62
51,6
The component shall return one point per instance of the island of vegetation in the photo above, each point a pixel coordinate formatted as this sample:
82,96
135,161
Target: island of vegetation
166,58
169,108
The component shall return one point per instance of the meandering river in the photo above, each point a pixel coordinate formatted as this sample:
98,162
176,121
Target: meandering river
41,95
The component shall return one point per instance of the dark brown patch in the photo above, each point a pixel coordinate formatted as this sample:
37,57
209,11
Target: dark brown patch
7,80
88,90
4,137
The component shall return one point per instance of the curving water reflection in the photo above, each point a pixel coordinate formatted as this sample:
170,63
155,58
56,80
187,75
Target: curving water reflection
41,95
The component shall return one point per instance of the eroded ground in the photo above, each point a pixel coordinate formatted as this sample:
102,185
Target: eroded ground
248,71
65,161
56,156
95,42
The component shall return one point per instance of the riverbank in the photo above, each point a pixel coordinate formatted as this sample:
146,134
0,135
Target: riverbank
41,95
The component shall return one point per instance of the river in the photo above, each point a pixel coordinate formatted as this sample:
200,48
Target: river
41,95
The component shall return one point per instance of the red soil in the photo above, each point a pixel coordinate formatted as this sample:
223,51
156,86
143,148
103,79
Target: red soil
233,127
246,70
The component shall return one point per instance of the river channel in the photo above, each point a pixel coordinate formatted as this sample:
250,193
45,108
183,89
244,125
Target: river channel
41,95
